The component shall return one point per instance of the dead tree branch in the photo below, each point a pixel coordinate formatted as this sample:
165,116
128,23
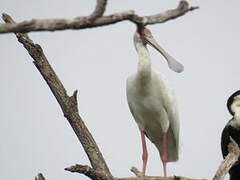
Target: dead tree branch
83,22
229,161
139,175
67,103
99,10
88,171
39,177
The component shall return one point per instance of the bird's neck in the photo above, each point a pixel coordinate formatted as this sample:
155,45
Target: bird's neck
144,64
237,116
236,119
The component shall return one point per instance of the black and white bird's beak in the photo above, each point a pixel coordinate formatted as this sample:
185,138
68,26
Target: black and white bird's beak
147,37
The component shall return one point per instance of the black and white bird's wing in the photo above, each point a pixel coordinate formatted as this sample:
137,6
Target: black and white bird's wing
225,140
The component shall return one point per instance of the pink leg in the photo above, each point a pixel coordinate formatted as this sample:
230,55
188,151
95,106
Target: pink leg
164,154
144,154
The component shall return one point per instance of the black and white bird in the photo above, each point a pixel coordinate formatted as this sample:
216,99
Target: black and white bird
152,101
232,129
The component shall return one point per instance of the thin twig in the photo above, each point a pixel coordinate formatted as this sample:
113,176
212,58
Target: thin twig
88,171
229,161
83,22
67,103
39,177
99,10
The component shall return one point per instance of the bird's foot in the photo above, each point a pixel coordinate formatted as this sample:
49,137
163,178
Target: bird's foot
143,175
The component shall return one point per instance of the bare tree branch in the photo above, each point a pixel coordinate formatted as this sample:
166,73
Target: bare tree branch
91,173
229,161
99,10
67,103
88,171
139,175
182,9
83,22
159,178
39,177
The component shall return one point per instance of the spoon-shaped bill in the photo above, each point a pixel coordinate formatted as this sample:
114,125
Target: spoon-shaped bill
172,63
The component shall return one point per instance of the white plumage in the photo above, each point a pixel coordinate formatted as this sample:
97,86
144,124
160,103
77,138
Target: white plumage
152,102
155,111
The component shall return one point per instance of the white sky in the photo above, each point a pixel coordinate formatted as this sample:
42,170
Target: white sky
34,135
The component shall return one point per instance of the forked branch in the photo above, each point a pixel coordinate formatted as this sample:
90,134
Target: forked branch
85,22
99,10
67,103
39,177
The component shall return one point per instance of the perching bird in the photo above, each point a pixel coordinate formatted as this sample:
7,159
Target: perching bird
232,129
152,102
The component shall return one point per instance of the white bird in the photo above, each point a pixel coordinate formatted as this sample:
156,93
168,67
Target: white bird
152,102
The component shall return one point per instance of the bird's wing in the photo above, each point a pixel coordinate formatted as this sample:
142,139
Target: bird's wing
129,95
169,103
174,125
131,109
171,107
225,140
